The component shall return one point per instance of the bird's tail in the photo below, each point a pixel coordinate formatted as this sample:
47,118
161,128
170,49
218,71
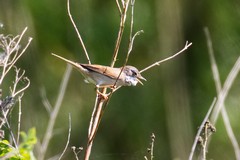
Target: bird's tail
75,64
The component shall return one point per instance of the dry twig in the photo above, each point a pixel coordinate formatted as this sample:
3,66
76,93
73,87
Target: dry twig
77,151
224,92
200,130
121,29
79,35
19,118
54,113
10,55
150,149
69,135
100,104
218,85
19,77
166,59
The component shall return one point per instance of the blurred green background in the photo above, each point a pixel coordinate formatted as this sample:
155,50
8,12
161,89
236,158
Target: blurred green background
173,101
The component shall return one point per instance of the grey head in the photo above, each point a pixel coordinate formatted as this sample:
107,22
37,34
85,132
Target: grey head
133,76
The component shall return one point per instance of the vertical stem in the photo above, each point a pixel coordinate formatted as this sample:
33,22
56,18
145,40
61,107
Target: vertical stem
19,118
99,105
120,33
200,130
218,85
205,141
54,113
225,89
92,117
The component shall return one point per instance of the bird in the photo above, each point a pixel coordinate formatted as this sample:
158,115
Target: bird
106,76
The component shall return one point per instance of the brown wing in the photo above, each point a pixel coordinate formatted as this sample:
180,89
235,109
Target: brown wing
108,71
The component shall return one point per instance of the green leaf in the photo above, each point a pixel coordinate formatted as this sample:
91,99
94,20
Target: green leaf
24,150
4,147
29,140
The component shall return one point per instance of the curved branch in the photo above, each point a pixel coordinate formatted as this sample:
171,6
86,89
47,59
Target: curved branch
79,35
166,59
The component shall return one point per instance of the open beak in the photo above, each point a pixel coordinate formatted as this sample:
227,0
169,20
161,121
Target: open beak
140,77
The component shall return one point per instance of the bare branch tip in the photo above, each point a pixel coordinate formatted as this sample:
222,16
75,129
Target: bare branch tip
140,32
30,39
25,29
188,44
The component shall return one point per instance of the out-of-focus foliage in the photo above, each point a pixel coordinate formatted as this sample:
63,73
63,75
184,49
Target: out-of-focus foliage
173,101
24,151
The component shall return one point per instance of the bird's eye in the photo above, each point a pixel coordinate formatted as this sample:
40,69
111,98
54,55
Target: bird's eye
134,73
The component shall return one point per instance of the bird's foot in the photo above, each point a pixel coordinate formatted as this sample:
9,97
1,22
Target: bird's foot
101,96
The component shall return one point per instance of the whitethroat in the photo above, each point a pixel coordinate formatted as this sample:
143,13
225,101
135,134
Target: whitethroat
105,76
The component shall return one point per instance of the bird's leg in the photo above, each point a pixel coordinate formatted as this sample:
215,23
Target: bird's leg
114,88
100,94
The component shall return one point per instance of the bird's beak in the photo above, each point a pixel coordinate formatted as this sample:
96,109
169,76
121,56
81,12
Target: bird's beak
141,77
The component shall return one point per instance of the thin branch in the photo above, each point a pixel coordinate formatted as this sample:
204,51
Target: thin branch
152,145
203,140
9,45
132,20
126,60
90,128
45,101
17,57
119,7
53,115
224,92
19,118
79,35
120,32
123,2
200,129
217,81
131,40
95,120
214,67
75,153
22,89
230,133
69,136
16,44
151,148
79,150
204,146
11,132
18,77
131,36
166,59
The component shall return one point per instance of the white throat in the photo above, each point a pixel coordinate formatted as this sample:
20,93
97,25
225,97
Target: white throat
131,81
